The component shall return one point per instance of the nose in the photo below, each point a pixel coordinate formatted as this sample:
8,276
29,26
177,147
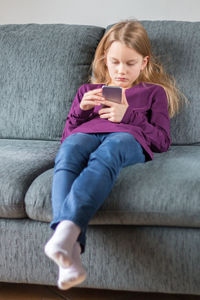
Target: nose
121,69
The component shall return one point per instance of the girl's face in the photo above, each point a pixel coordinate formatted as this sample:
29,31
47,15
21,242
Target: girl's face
124,64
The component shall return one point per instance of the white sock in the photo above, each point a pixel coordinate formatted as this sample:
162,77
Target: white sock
74,274
59,247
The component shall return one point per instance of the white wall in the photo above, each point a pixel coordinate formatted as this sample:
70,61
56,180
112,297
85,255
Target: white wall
101,12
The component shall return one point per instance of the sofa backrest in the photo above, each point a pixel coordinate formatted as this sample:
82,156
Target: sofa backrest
177,45
42,66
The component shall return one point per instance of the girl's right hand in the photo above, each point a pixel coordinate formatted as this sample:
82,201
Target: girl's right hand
91,98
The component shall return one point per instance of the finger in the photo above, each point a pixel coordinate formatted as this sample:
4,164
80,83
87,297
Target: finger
88,102
104,110
96,91
109,103
112,120
93,97
105,116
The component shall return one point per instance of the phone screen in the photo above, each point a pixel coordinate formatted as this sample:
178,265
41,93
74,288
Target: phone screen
112,93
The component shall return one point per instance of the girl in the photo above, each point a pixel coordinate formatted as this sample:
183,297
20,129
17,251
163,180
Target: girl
102,137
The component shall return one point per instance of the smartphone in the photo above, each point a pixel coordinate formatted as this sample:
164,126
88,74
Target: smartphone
112,93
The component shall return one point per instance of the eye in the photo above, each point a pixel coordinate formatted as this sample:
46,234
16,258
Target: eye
131,64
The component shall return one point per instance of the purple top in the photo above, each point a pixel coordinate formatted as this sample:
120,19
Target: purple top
146,117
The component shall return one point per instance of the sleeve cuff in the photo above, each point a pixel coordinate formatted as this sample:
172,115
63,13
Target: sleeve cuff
83,113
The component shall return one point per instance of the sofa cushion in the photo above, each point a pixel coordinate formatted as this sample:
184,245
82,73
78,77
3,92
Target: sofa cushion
21,161
42,66
163,192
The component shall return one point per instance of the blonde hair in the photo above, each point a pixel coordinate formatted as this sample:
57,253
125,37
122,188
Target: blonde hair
133,35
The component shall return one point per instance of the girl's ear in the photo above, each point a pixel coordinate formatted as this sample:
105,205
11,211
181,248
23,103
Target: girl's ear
144,63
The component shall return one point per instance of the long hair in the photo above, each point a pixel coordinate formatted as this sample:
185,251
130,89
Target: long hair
133,35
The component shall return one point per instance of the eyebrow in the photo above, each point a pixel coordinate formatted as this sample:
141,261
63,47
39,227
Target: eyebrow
131,60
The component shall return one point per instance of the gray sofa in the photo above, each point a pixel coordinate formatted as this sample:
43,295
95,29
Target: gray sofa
146,236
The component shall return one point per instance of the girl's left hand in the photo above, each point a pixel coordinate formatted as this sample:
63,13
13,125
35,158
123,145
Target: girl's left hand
115,111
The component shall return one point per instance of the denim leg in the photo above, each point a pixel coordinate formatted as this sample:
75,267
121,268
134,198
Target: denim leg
70,160
129,151
95,182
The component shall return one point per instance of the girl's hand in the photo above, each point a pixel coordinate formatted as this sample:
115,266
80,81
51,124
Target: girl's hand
115,111
91,98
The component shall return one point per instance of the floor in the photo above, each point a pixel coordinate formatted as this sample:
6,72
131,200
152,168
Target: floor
37,292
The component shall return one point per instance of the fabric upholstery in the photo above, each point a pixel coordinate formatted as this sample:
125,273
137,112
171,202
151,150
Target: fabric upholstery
163,192
21,161
42,66
148,259
177,44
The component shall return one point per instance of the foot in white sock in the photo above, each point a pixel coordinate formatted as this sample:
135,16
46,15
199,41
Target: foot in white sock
73,275
59,247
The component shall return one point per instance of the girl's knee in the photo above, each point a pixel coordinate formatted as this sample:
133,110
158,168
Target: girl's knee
118,150
68,152
120,141
74,147
122,138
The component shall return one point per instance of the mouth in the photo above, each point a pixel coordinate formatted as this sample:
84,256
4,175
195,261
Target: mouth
121,79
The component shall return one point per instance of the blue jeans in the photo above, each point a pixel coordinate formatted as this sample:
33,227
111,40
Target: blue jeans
86,168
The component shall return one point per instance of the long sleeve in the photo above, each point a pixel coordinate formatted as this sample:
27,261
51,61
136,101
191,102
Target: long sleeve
154,120
76,115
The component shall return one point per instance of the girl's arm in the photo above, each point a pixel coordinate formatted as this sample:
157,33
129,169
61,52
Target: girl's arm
155,123
76,115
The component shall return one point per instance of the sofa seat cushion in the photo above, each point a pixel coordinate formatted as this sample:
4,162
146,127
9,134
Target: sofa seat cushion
163,192
21,161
